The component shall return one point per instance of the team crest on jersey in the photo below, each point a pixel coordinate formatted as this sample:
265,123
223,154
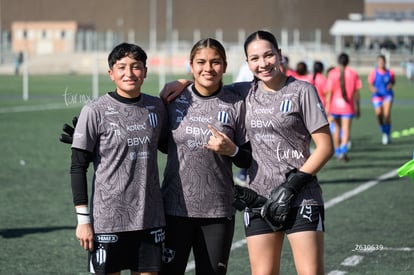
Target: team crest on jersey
153,119
100,255
286,106
223,117
168,255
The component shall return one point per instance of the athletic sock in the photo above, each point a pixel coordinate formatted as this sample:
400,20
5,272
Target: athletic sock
344,148
337,151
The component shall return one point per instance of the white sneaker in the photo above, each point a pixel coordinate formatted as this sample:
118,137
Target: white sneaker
385,139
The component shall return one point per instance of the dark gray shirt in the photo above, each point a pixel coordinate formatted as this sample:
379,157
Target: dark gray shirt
198,182
279,125
126,193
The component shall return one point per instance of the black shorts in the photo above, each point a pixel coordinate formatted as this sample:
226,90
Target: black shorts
138,251
209,238
303,218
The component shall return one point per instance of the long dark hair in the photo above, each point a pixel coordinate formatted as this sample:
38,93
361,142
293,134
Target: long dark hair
260,35
343,60
317,69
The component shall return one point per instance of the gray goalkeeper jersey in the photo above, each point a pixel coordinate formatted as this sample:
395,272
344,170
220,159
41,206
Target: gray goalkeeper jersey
278,126
198,182
126,193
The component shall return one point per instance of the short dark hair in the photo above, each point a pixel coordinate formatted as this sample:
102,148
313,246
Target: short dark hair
126,49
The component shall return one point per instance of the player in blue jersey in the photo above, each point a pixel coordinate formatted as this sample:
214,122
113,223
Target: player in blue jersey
381,82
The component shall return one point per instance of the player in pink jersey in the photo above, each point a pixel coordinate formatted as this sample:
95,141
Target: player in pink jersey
319,80
381,81
302,72
285,67
342,103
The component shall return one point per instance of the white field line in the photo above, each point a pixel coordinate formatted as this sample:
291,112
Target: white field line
361,188
352,260
32,108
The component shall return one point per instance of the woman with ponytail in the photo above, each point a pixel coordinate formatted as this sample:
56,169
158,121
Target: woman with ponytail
342,103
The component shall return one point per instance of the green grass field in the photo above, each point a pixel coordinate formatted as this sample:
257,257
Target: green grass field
37,220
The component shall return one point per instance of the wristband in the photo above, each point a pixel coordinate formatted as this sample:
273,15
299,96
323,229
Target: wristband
82,213
235,152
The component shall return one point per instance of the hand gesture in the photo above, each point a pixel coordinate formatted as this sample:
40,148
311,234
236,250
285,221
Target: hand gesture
220,143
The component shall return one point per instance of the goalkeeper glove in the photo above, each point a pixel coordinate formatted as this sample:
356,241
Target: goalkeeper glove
278,205
69,130
246,197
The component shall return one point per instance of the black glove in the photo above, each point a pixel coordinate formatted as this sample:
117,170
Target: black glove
246,197
69,130
278,205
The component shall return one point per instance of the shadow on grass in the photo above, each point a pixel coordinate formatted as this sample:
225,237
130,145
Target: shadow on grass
350,181
21,232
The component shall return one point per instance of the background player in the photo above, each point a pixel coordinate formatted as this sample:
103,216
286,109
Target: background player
342,103
381,82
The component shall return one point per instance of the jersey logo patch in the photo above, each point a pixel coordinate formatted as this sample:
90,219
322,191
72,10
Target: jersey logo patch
223,117
168,255
100,255
286,106
153,119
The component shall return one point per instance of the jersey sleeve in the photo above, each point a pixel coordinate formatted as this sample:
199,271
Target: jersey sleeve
86,131
371,77
314,115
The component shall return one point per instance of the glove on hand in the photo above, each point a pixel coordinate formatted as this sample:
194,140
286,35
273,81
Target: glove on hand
69,130
246,197
278,205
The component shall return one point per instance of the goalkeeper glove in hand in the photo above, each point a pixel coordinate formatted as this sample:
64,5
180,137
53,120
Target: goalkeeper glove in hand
278,205
69,130
246,197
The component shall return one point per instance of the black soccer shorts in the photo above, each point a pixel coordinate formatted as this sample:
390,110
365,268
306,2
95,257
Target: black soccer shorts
303,218
138,251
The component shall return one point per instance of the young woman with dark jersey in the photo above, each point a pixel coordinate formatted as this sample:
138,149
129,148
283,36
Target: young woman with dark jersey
283,115
207,135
